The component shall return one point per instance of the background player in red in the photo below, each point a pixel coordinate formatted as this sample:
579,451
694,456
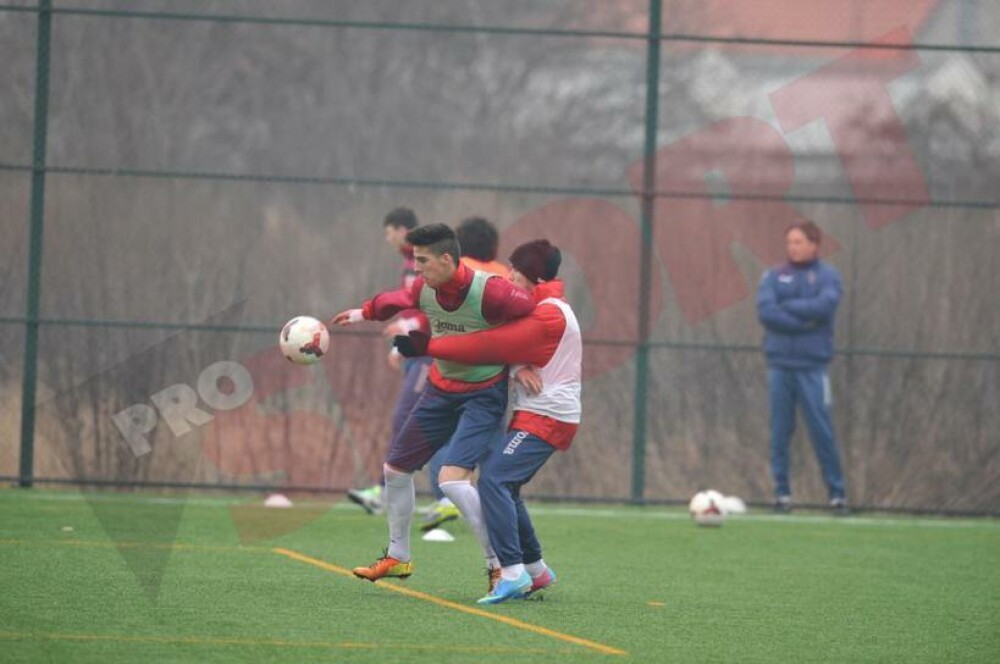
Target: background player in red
396,225
480,242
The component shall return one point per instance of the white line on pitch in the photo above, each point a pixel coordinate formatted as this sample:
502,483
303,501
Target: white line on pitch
656,513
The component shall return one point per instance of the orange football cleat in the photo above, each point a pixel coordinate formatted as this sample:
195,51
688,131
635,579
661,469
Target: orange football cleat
386,566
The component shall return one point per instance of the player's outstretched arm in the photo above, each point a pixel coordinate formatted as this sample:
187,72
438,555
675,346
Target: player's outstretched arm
383,306
346,317
531,340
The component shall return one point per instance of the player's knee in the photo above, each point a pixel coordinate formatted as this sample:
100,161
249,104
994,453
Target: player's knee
395,469
454,474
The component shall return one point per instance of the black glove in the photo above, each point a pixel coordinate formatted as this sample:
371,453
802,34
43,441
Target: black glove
413,344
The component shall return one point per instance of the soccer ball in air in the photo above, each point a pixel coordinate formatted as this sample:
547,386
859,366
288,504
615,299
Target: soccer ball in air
304,340
708,508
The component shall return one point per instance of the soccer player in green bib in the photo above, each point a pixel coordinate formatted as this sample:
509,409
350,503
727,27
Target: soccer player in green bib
461,403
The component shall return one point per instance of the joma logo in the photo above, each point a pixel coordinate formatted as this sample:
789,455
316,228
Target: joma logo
444,326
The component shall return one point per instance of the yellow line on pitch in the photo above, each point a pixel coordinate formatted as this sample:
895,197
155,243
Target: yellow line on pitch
513,622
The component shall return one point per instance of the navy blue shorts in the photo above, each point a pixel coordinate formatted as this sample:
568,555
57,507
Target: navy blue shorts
472,421
415,372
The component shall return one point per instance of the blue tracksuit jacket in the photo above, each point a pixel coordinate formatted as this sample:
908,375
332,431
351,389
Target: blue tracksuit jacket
796,304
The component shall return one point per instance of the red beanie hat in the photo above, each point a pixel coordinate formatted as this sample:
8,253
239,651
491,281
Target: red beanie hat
537,260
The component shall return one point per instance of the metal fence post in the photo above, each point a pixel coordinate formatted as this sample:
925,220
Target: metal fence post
646,251
40,143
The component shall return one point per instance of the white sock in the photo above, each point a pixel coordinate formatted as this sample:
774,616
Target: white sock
465,496
445,502
536,569
513,572
399,502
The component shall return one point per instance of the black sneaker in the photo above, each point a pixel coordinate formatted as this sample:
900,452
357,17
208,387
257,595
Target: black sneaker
783,504
839,507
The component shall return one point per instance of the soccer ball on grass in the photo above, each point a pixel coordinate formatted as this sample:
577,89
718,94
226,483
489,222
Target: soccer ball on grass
707,508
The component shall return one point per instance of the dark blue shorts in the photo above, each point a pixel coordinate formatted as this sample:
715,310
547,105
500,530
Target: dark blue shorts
472,421
415,372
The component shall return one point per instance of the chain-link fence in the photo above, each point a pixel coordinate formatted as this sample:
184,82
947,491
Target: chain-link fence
179,178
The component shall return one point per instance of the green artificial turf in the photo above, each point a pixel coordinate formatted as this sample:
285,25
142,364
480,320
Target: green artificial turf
197,578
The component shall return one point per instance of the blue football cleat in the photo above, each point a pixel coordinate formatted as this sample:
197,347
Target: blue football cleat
506,590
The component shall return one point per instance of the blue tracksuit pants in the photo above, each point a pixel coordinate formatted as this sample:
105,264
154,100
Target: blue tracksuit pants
509,466
808,389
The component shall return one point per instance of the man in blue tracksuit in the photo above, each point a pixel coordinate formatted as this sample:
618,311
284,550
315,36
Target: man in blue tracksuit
796,303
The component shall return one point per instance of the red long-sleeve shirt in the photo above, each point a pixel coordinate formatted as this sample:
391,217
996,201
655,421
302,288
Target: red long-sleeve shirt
502,302
531,340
